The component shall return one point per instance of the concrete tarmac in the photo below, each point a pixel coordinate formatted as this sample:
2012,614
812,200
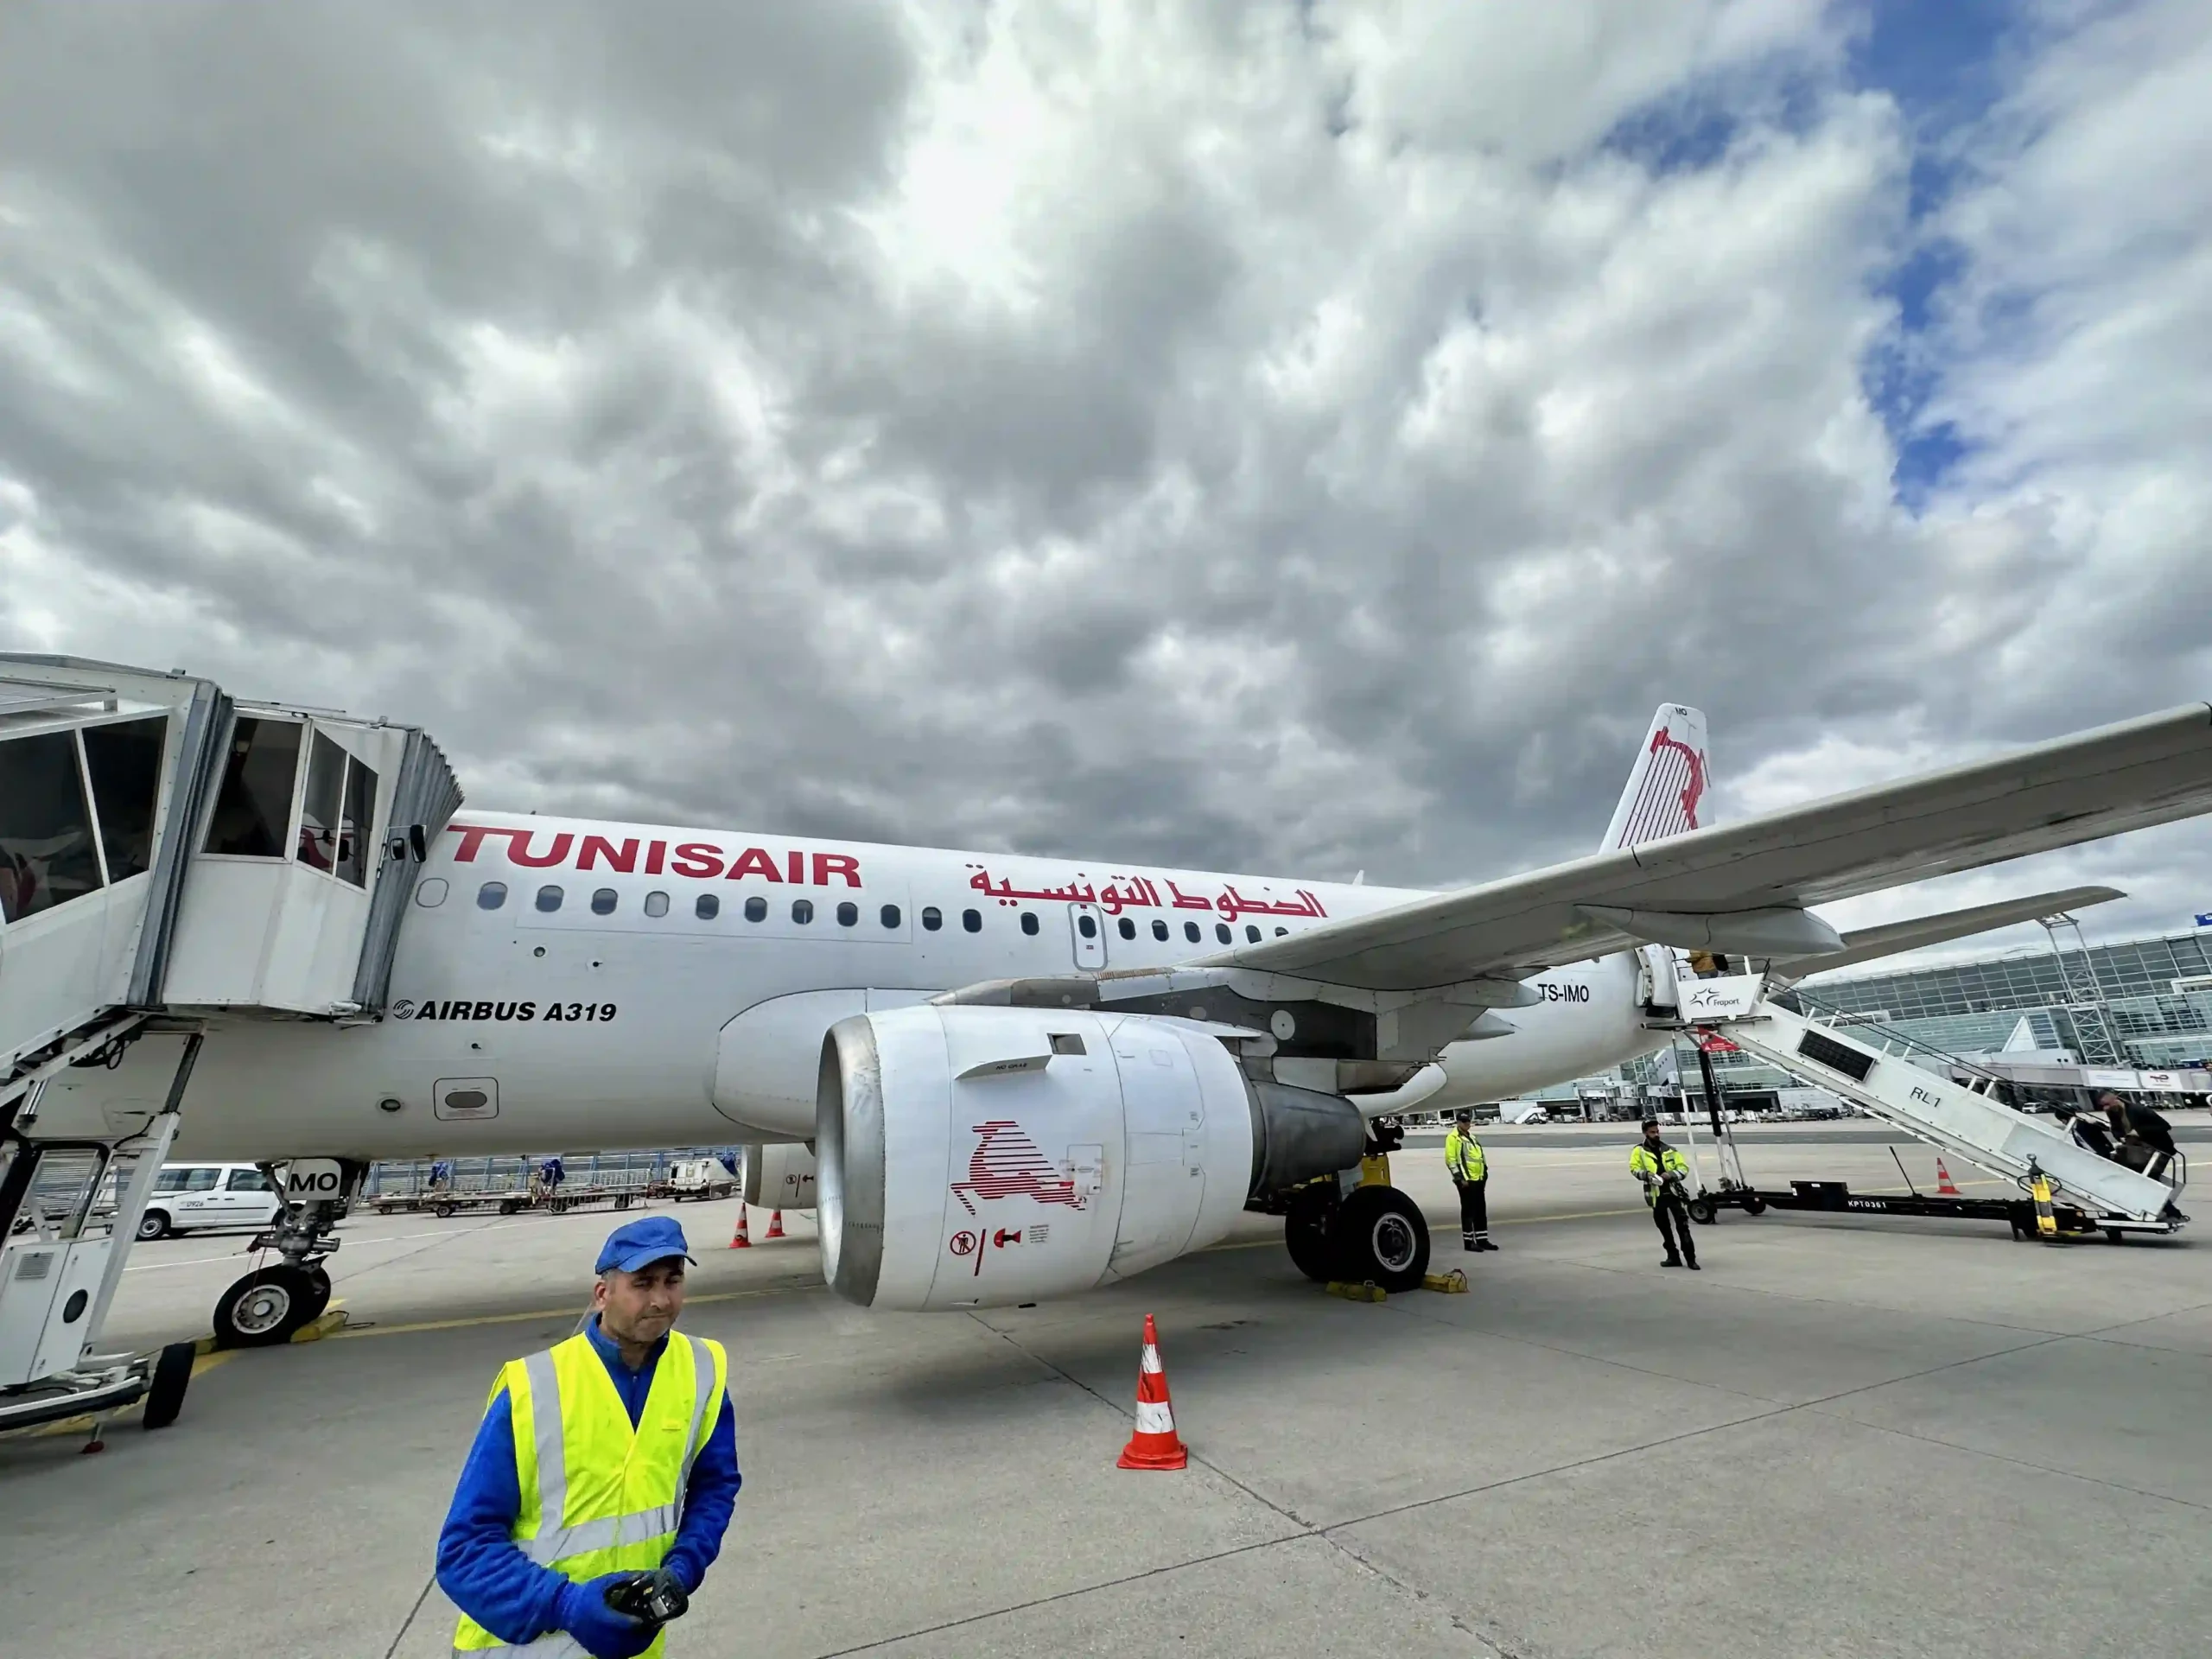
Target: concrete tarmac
1846,1436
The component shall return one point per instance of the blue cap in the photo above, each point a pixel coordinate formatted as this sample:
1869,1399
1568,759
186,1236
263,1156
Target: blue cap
638,1243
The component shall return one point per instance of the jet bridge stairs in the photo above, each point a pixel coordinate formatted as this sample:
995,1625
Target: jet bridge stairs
1956,1109
171,860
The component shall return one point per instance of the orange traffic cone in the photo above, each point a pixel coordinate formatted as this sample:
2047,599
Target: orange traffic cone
1154,1445
742,1239
1945,1186
775,1225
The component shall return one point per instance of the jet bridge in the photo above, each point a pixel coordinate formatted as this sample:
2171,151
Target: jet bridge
169,853
1874,1070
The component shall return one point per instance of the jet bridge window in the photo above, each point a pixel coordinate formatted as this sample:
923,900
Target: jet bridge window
123,762
355,826
47,856
321,806
253,809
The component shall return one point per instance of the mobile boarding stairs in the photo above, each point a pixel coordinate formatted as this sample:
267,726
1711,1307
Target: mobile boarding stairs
1871,1068
171,861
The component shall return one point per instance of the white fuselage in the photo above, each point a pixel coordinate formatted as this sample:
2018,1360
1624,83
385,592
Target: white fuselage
621,1016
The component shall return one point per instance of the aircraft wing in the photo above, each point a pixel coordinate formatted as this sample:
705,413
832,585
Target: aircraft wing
1742,887
1871,943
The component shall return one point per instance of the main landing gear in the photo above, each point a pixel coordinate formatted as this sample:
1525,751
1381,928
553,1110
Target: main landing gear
268,1305
1372,1234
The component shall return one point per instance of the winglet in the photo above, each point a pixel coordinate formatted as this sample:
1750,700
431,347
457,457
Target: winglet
1665,793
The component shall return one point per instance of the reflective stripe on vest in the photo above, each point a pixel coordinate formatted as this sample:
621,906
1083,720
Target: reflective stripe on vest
1463,1156
572,1433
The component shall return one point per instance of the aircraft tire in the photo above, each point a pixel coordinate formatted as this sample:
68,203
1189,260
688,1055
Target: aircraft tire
265,1308
1379,1234
1306,1233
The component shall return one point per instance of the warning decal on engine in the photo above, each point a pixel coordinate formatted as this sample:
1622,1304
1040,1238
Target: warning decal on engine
1005,1161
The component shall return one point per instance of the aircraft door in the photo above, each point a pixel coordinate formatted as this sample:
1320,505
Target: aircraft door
1088,928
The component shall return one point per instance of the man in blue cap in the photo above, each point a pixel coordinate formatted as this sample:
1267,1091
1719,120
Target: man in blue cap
585,1514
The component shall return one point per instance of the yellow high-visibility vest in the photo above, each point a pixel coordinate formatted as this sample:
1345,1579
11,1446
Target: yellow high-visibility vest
1463,1156
597,1494
1668,1162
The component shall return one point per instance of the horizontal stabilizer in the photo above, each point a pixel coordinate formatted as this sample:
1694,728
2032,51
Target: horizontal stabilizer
1869,944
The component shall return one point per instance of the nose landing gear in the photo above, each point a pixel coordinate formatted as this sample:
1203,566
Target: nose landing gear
268,1305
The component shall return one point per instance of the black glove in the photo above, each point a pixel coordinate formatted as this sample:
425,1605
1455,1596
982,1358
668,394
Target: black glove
604,1631
656,1597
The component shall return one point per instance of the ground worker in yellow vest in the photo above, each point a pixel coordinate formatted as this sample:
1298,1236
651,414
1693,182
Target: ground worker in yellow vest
603,1476
1463,1156
1664,1172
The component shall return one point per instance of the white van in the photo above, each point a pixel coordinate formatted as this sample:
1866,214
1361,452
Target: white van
188,1196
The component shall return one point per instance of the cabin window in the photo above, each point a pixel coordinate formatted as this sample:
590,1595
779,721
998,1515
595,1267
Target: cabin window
849,914
707,906
1029,921
756,909
1087,925
1128,928
490,895
1251,934
972,920
1221,931
890,915
123,762
602,902
431,893
47,853
1158,928
802,911
549,899
932,919
254,807
1190,932
1281,932
656,904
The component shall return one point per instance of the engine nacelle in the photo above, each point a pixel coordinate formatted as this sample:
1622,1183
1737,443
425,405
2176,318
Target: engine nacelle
779,1176
976,1156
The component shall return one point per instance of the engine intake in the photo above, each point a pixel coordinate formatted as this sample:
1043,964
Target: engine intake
977,1156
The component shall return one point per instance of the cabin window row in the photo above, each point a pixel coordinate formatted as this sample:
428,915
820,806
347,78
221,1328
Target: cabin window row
604,901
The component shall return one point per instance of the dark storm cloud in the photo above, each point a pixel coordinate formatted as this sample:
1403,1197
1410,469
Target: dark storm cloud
1269,436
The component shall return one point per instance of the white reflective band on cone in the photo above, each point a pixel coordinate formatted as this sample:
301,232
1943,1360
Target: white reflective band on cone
1154,1419
1151,1360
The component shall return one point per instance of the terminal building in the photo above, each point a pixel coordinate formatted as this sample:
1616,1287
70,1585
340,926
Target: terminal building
2135,1014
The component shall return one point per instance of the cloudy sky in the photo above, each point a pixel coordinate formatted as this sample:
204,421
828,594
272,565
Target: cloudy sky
1300,437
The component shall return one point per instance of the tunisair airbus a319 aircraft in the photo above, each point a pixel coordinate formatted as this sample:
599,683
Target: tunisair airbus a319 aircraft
1021,1077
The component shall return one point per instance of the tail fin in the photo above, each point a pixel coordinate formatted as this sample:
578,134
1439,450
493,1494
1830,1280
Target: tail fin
1665,791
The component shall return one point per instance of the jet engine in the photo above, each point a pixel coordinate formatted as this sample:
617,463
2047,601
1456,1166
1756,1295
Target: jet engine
978,1156
779,1176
